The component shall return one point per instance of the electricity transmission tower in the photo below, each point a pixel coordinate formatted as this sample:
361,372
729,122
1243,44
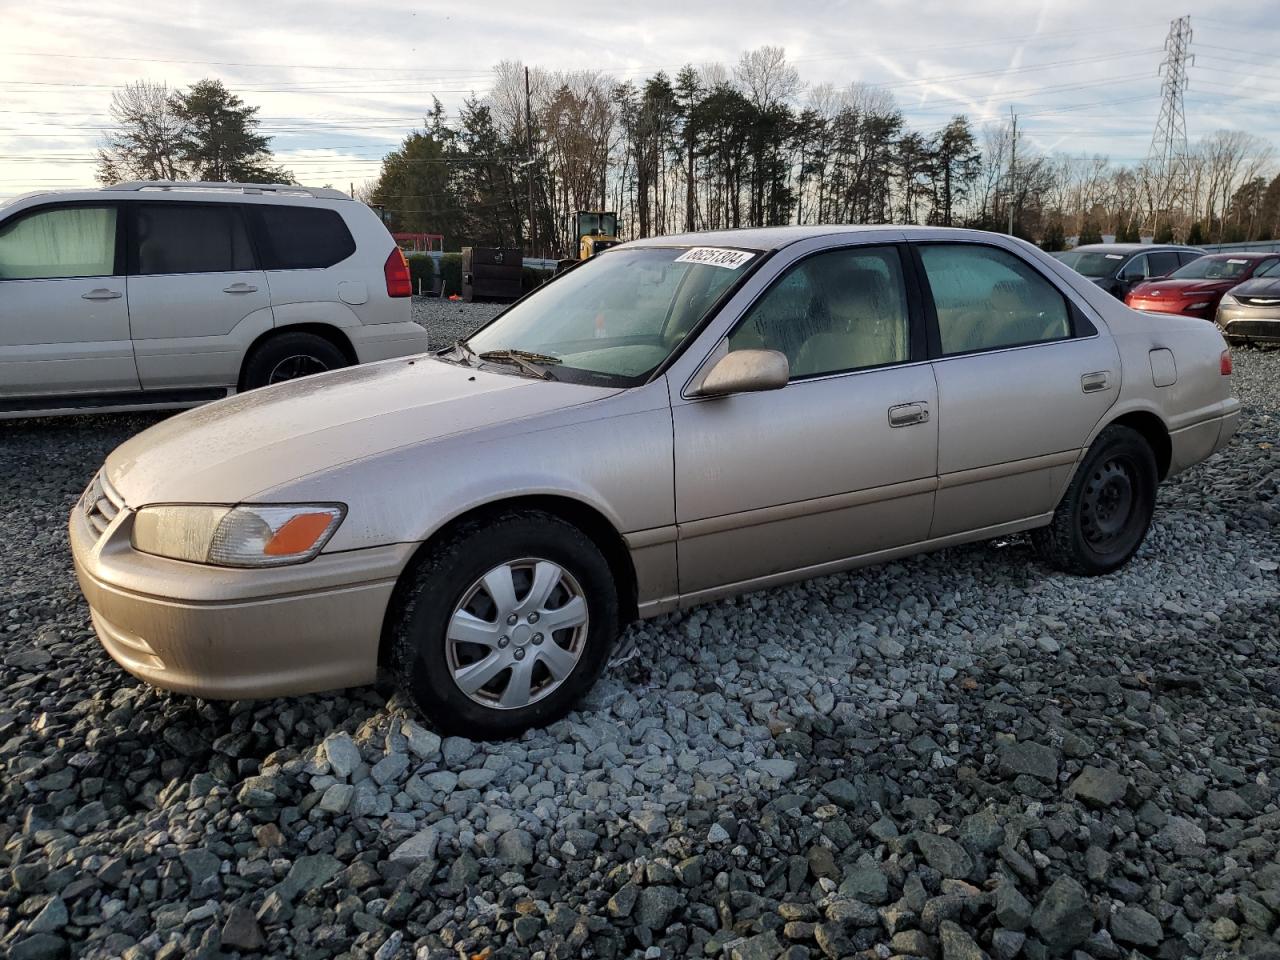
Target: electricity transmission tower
1167,160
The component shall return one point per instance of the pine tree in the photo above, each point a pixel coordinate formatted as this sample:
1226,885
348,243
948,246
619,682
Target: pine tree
220,139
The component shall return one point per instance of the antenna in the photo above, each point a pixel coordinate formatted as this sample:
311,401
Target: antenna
1167,160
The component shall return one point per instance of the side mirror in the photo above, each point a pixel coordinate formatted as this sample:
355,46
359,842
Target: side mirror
746,371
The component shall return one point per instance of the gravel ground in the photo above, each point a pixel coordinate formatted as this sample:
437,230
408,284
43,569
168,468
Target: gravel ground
450,320
954,756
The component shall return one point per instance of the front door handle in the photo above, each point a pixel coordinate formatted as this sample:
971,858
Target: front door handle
1094,382
906,414
101,293
240,288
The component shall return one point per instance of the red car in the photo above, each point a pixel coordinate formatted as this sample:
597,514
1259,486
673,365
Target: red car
1194,290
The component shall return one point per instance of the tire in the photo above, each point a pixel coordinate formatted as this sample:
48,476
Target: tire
1106,512
446,597
287,356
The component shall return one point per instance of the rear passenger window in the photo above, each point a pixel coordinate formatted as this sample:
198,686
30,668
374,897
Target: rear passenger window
988,298
189,238
1162,264
300,238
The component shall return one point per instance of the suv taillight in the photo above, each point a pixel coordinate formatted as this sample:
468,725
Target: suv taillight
396,269
1224,363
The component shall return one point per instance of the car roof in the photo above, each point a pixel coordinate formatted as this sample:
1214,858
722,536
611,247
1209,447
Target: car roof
1241,255
1132,247
185,190
775,238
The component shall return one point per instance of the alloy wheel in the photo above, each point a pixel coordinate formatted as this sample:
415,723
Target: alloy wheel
298,365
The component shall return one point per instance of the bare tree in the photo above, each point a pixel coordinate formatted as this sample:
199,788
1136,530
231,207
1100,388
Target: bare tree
766,77
144,142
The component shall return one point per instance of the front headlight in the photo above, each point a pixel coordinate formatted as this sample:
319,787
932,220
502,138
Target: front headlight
249,535
1229,300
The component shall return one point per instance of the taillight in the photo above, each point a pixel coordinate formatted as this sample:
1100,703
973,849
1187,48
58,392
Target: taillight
396,270
1224,363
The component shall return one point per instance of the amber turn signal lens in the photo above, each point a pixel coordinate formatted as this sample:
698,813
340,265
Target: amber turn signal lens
298,535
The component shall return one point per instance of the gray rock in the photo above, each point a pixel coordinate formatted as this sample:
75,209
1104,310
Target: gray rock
1136,927
945,855
515,847
457,751
763,946
777,768
51,918
655,905
390,768
1099,787
421,846
866,882
336,798
307,873
1029,758
1063,918
446,781
342,753
241,930
1007,944
957,944
1013,910
422,743
475,778
1179,833
41,946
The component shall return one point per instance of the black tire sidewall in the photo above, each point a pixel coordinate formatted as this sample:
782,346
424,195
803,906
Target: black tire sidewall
1115,442
419,651
265,356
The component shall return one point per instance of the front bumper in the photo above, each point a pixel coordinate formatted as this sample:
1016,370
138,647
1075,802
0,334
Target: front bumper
1245,322
225,633
1171,307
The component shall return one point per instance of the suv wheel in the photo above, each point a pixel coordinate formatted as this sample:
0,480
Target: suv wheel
287,356
504,625
1106,512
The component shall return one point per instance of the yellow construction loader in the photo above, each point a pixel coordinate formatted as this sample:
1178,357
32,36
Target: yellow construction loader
596,230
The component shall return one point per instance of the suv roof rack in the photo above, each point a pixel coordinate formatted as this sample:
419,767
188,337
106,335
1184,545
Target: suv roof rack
327,193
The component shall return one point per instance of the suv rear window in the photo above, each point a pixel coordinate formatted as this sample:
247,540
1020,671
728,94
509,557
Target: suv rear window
189,238
300,238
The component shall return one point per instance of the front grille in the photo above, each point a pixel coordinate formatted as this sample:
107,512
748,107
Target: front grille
100,503
1259,329
1261,301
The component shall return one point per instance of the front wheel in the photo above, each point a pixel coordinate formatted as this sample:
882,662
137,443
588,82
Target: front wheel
1106,512
288,356
504,625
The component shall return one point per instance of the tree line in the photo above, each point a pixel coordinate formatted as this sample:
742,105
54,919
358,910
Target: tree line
715,147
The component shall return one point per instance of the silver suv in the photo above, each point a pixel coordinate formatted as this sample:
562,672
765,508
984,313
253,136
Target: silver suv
160,295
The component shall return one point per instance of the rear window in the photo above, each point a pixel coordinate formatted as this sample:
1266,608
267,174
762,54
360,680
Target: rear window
301,238
189,238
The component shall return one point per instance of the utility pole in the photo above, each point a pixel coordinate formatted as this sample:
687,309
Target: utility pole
1167,158
528,135
1013,169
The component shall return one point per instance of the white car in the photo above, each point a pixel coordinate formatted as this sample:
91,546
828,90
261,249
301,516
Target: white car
159,295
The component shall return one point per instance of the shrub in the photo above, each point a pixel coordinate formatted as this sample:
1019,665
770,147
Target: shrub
1195,236
1054,238
1164,233
1089,233
422,271
451,273
532,277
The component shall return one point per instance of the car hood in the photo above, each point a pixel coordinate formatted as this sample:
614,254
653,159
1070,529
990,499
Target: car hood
1258,287
233,449
1176,288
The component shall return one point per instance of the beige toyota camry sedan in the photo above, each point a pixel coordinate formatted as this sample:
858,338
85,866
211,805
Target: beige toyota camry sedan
675,420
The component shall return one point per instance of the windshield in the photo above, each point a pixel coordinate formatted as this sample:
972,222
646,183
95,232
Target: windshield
1093,263
1212,268
618,316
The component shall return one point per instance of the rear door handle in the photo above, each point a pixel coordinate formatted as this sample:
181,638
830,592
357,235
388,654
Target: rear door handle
906,414
240,288
1093,382
101,293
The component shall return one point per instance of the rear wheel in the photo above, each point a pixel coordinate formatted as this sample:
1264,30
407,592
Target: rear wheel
504,625
287,356
1106,512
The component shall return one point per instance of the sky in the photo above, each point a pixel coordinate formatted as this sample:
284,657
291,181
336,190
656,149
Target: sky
341,84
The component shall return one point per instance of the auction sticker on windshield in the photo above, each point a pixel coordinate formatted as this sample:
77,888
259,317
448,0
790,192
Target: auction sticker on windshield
715,257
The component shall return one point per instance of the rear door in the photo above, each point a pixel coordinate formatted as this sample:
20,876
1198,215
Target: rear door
193,280
64,321
1023,377
1161,263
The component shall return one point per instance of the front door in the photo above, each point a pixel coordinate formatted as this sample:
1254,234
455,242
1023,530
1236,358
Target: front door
840,462
1023,378
192,280
64,320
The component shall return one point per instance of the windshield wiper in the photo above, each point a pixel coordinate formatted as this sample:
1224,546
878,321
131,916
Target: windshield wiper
526,360
464,353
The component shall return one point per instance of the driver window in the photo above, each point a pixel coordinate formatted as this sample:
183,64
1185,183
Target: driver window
1135,269
832,312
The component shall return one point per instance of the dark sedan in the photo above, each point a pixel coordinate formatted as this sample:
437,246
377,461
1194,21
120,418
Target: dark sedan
1118,267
